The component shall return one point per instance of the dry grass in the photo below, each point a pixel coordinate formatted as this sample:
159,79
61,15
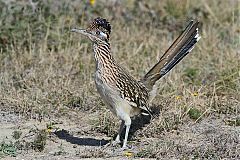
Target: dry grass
47,72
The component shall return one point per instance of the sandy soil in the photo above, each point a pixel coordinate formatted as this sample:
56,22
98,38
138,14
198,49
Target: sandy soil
73,139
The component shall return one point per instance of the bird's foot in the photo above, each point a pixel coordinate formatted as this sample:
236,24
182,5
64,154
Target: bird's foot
116,142
124,150
112,144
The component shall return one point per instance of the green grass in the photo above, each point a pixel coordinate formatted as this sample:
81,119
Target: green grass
7,149
194,113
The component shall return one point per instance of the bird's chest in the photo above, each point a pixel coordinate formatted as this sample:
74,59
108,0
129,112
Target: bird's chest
111,97
100,85
107,93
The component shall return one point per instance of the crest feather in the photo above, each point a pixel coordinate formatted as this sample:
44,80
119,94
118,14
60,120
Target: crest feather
102,23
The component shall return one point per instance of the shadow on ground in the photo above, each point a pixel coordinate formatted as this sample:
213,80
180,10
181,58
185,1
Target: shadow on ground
137,123
63,134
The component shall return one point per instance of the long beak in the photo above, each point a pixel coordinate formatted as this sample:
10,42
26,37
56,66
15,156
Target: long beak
81,31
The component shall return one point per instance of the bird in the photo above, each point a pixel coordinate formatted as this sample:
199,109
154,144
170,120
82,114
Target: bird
126,96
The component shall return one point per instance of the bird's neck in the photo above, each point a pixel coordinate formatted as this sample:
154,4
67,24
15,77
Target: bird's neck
102,54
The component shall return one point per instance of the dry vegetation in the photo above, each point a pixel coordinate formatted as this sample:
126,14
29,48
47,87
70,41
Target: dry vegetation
48,102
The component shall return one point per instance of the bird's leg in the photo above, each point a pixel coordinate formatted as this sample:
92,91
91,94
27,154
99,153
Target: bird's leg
128,124
117,140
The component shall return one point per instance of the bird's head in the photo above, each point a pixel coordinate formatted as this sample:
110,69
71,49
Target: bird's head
98,30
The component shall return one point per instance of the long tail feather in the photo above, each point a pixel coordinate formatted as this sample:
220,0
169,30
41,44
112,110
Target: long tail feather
176,52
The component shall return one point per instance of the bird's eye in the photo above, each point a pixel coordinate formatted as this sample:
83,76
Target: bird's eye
97,32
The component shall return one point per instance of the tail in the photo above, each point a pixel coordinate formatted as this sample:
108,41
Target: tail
175,53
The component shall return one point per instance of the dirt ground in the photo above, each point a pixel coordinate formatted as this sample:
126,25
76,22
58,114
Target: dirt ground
73,139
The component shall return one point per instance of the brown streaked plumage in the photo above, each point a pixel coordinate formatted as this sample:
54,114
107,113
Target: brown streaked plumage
122,93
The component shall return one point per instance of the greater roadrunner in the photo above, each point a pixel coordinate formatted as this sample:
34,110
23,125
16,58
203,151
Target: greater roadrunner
123,94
